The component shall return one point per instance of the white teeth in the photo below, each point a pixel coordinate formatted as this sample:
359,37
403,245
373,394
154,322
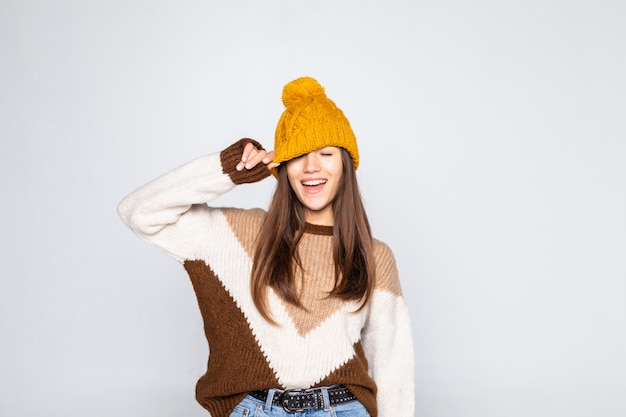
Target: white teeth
312,183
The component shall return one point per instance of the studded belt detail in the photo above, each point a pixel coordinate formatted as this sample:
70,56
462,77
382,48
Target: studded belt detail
298,400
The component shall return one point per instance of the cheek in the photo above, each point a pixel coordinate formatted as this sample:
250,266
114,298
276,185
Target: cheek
293,167
290,173
337,168
338,165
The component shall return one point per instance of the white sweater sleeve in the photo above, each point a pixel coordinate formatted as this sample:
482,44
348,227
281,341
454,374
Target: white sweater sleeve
171,213
388,346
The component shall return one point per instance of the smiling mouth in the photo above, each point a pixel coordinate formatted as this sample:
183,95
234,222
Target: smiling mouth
313,183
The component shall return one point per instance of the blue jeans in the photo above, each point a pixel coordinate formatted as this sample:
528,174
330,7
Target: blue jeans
251,407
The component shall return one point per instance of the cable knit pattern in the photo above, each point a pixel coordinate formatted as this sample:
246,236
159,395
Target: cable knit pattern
324,343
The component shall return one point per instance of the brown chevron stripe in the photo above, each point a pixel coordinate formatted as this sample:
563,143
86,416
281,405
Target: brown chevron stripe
231,340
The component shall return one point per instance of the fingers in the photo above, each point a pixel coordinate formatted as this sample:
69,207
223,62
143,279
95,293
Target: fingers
248,156
252,156
269,157
268,160
247,151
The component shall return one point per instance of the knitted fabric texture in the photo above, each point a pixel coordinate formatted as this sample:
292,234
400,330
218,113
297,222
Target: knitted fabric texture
311,121
324,343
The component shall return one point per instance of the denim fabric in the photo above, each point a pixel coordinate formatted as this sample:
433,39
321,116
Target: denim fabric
251,407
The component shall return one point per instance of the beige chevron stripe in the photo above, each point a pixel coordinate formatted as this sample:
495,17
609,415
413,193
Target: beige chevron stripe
317,263
320,269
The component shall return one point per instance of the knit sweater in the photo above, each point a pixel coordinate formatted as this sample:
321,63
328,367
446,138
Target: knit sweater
326,342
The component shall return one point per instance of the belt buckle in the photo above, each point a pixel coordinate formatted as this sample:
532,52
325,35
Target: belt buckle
284,401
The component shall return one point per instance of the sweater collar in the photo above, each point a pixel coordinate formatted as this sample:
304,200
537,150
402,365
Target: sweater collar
317,229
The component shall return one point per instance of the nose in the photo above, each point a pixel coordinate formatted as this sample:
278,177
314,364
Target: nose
311,162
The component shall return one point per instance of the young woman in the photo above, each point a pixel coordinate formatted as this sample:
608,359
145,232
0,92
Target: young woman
302,307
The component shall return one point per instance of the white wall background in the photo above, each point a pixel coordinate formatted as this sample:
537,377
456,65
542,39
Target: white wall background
493,141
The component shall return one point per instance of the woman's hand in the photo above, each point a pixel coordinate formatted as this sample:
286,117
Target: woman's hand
252,156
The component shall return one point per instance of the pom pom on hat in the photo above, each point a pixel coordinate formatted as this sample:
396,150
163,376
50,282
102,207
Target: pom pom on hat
311,121
300,89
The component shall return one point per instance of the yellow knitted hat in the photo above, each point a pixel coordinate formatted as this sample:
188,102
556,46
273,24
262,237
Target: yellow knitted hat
311,121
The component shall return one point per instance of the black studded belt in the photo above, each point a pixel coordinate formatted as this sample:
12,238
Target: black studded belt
298,400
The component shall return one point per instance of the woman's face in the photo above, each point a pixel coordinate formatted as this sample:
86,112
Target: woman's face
315,178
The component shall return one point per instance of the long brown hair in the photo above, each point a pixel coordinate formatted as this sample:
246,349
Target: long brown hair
276,255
